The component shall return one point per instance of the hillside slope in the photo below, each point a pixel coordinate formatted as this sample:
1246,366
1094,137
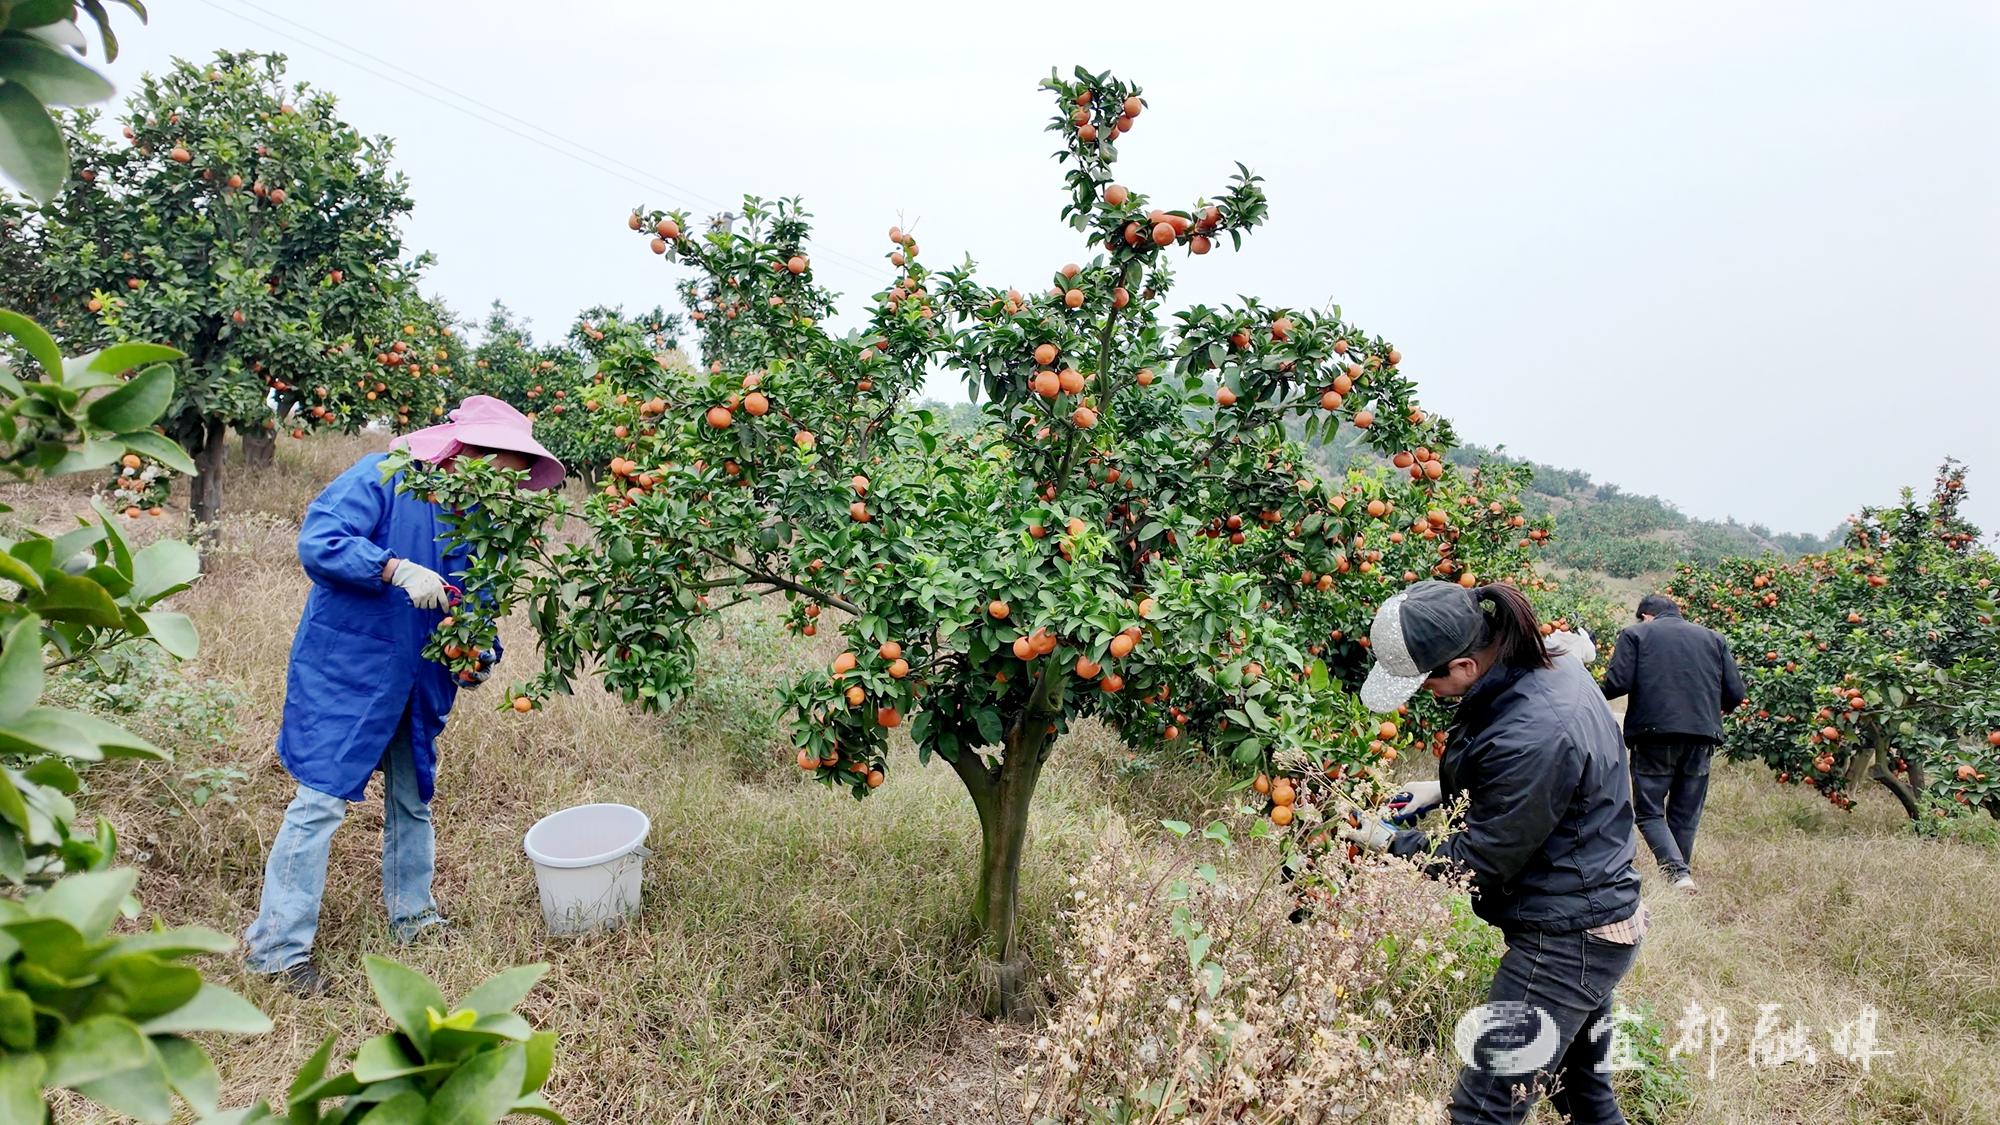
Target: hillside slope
1602,528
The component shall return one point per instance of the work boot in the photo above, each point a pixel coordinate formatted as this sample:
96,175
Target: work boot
303,980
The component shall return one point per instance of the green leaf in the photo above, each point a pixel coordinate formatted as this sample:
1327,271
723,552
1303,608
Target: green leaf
54,773
17,1020
54,77
1258,719
163,567
135,405
182,942
257,1114
33,151
74,542
541,1055
482,1089
89,902
172,632
96,10
20,668
406,1108
21,1087
19,573
404,994
104,739
1177,827
191,1072
507,1025
160,448
503,991
214,1008
65,597
13,855
384,1058
34,13
85,456
990,731
150,986
142,1092
119,358
1212,978
534,1105
32,337
91,1049
48,944
313,1070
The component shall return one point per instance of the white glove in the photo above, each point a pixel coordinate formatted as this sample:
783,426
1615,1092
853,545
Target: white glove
1367,831
1416,799
425,588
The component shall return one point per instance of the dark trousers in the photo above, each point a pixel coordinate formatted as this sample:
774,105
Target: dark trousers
1669,786
1548,1029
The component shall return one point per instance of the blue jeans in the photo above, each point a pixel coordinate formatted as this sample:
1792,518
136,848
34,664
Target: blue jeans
295,874
1556,992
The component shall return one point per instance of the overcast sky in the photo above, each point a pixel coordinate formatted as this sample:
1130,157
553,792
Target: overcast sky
1743,256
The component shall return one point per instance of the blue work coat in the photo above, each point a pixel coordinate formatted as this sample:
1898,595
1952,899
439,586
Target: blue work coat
357,665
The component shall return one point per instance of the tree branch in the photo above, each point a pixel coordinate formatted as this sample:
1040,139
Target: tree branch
782,583
1127,278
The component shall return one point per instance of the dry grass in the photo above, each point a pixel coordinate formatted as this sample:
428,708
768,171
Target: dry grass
804,957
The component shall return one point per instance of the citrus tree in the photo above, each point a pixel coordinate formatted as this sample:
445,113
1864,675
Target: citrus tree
508,364
1871,662
1130,532
242,221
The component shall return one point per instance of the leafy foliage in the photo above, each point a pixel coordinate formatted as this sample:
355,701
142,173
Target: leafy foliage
469,1063
36,73
81,594
1873,661
107,1015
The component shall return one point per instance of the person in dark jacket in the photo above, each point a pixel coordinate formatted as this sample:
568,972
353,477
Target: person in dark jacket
1546,836
1682,680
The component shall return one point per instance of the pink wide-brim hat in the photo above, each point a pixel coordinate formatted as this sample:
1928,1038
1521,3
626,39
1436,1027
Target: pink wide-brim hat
488,423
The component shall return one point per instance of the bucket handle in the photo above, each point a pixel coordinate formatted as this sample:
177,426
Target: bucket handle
642,851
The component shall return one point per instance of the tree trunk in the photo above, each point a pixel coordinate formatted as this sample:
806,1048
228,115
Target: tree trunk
1014,994
1002,797
1857,765
260,448
205,490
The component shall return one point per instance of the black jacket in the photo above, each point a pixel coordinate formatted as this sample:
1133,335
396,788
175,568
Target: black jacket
1547,832
1681,678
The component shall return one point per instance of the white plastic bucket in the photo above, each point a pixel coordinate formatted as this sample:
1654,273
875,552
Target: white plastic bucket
587,865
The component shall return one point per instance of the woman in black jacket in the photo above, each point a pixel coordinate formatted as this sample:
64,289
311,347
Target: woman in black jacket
1546,838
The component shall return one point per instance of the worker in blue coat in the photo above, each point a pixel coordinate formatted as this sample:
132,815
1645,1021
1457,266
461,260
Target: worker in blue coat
359,696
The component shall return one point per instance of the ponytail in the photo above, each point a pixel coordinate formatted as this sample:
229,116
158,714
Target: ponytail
1511,624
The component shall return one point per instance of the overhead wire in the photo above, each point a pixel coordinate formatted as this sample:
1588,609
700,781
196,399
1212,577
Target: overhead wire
602,162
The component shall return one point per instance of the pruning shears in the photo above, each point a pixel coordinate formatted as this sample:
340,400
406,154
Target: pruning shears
454,593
